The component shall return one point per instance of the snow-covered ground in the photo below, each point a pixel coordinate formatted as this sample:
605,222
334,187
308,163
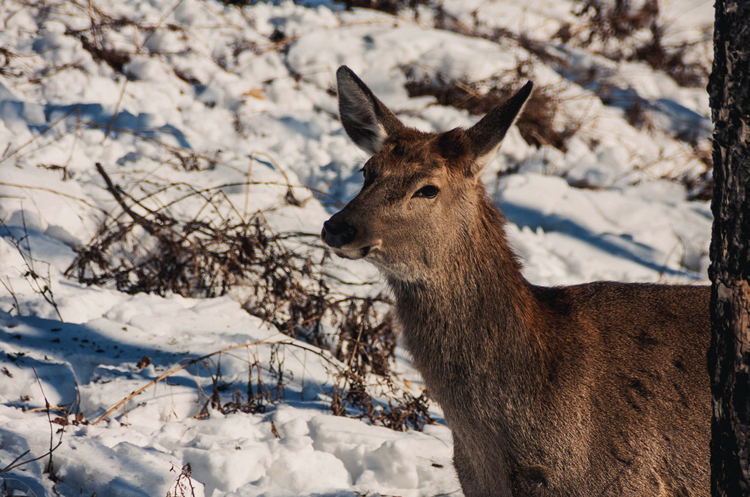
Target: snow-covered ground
214,95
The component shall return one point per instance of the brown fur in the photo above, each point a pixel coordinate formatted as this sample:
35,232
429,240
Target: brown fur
590,390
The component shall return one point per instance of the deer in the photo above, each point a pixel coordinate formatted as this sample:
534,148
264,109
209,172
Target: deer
597,389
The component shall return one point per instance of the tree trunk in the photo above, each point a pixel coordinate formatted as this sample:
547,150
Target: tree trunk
729,355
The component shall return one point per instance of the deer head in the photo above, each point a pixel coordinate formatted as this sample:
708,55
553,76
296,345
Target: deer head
422,193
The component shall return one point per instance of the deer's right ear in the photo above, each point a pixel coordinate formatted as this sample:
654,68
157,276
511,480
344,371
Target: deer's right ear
367,121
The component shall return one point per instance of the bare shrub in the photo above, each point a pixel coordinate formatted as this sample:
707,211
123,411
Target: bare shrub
671,59
479,97
40,283
637,115
628,32
237,3
8,67
403,410
49,468
392,7
289,279
92,38
259,393
93,44
700,185
614,20
183,484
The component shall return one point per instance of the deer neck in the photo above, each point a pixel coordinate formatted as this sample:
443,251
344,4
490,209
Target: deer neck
475,319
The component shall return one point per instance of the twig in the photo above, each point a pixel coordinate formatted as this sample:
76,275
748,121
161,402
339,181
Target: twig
114,114
17,461
9,287
158,25
145,223
50,469
247,186
13,465
49,190
48,408
43,132
31,275
201,359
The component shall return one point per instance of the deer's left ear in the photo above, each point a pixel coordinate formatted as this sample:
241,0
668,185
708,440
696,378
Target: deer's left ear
487,135
367,121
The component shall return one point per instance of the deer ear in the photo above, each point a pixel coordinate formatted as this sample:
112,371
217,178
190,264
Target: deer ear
367,121
488,133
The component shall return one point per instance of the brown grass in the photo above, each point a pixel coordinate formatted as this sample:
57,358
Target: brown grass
479,97
615,26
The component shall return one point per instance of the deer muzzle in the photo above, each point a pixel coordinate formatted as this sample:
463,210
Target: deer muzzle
336,235
342,238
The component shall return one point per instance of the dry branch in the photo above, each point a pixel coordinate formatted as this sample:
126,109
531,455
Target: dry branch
201,359
176,370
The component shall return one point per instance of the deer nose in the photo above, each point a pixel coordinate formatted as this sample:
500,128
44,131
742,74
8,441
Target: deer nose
337,235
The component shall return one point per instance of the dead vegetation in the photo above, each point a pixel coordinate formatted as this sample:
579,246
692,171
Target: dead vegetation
22,460
392,7
285,276
156,252
110,39
352,394
7,63
183,484
622,30
288,283
403,410
700,186
537,122
91,41
611,20
38,279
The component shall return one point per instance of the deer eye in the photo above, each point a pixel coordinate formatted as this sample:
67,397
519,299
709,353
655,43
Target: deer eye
429,191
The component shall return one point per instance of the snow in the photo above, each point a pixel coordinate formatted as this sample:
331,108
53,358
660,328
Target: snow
207,99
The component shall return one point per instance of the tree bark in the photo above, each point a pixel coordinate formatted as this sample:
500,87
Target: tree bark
729,355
